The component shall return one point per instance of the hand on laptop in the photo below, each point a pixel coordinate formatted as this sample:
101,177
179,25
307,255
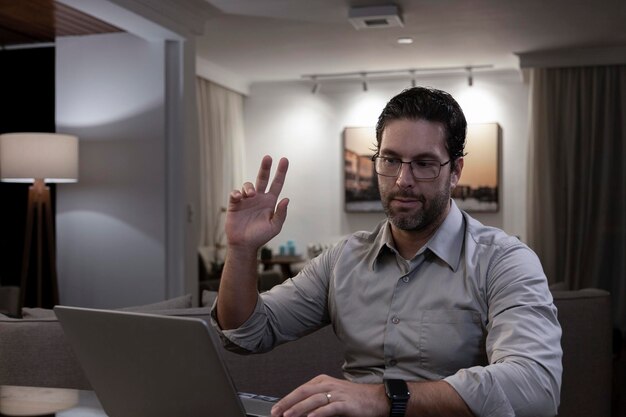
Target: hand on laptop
324,396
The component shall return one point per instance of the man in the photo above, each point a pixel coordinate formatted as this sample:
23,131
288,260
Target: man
440,315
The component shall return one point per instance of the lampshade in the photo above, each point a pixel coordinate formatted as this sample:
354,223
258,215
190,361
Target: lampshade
25,157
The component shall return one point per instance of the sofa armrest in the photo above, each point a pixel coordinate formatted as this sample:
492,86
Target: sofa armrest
585,318
10,301
35,352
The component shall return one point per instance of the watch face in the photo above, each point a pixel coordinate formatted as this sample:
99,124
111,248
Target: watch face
397,389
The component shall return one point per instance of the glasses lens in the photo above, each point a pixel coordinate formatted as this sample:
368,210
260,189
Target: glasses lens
421,169
387,166
425,169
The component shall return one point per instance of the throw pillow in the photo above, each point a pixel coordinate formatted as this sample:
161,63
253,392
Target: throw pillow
37,313
208,298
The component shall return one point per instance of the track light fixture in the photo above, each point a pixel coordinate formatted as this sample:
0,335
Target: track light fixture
365,76
470,77
316,85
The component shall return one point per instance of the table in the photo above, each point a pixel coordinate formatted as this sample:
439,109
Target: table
284,261
37,401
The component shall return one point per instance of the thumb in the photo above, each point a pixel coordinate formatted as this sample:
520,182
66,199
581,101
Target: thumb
281,213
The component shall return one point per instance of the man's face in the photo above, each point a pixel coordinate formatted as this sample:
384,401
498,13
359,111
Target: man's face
410,204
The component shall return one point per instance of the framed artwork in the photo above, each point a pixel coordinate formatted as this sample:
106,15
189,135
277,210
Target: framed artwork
360,180
477,190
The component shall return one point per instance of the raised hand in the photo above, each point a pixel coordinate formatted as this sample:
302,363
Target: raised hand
253,217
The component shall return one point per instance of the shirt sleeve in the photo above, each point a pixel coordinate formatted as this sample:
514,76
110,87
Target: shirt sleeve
523,347
287,312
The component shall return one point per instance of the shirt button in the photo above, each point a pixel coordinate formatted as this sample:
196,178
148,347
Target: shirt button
395,320
405,279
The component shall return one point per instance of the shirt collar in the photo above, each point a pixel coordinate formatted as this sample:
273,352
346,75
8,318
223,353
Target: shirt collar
446,243
382,242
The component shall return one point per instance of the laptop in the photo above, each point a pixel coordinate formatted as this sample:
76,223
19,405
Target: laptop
159,366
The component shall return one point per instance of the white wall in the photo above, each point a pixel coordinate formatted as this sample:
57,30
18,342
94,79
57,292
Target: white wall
285,119
111,225
128,232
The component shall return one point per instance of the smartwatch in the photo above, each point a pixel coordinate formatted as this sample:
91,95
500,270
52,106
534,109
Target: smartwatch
398,394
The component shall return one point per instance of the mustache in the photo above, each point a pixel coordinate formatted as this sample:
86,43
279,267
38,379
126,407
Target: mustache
405,194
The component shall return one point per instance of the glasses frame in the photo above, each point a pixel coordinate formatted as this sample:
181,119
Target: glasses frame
377,156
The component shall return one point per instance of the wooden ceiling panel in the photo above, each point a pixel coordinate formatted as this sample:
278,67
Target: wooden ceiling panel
37,21
9,37
71,22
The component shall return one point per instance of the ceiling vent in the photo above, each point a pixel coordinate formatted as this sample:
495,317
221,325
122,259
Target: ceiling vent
376,17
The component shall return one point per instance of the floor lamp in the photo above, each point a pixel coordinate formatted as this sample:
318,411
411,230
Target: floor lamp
39,158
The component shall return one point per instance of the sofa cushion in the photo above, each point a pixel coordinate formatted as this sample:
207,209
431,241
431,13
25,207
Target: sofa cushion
290,365
37,313
279,371
184,301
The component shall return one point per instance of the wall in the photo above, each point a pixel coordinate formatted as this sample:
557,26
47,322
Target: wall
141,92
285,119
111,225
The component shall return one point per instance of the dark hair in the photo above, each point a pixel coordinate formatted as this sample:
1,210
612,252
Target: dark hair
420,103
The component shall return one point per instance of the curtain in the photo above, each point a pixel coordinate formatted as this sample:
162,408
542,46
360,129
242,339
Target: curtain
577,178
221,162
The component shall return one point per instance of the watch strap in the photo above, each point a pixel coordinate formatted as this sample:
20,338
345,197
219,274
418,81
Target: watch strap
398,408
398,393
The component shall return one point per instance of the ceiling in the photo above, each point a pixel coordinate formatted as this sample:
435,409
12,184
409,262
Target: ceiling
40,21
266,40
263,40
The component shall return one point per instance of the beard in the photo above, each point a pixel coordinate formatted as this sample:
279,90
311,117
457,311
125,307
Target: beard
419,218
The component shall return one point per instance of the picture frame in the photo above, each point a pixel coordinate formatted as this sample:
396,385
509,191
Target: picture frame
478,188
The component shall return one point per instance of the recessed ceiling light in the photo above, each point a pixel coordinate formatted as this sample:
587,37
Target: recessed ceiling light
405,41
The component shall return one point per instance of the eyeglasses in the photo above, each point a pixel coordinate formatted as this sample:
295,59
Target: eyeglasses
422,169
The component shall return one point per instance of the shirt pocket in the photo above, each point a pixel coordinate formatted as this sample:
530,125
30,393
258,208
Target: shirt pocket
451,340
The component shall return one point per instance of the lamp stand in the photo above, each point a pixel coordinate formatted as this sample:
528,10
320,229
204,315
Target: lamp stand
39,205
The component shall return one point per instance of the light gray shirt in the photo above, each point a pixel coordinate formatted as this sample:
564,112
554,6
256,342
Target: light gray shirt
472,308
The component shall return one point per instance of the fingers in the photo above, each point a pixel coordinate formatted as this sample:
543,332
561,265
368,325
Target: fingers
263,176
235,197
314,395
279,177
248,190
281,212
325,396
318,402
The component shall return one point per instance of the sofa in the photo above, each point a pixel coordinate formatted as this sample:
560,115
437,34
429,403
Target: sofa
34,352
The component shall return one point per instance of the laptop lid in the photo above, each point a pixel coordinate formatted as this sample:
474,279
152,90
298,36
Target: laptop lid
148,365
